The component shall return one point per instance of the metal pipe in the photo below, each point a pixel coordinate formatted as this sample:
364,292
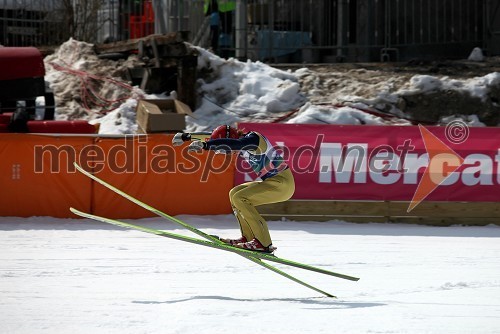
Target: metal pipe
241,29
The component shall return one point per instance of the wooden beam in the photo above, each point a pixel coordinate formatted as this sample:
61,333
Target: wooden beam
338,208
430,213
133,44
447,209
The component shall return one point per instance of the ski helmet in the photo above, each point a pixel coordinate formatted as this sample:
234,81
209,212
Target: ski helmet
224,131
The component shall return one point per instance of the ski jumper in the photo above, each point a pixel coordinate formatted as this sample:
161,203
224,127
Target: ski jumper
277,183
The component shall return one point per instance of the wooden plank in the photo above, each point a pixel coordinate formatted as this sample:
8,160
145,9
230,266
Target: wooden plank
445,221
173,50
310,207
428,213
133,44
326,218
447,209
186,80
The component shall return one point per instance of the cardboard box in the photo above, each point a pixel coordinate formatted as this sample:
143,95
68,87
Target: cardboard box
140,131
163,115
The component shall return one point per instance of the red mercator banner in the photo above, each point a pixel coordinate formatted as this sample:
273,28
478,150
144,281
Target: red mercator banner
344,162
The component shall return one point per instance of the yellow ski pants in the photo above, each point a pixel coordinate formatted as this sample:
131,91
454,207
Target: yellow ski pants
245,197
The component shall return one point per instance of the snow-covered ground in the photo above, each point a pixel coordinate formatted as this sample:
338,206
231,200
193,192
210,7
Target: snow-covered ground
78,276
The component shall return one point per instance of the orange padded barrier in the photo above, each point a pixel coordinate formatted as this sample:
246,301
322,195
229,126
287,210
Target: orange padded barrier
34,175
152,170
37,177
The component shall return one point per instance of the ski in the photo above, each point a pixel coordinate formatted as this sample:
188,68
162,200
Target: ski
204,235
249,256
260,255
213,242
284,274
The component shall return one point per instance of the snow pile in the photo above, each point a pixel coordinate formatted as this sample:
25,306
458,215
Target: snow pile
476,87
343,98
318,114
85,86
417,98
231,91
476,55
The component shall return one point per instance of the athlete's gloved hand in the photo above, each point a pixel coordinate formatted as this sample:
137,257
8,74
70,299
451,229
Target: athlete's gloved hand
197,146
179,138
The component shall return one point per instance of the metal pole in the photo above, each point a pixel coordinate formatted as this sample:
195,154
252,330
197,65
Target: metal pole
159,7
341,29
180,13
241,29
4,26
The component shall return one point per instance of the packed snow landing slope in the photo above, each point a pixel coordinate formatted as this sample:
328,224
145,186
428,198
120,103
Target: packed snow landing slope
64,275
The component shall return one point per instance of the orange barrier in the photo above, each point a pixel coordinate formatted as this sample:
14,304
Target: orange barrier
156,176
37,177
28,185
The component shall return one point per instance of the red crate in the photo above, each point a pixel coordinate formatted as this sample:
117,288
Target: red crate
140,28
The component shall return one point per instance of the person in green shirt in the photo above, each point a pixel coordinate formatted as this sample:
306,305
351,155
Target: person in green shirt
225,9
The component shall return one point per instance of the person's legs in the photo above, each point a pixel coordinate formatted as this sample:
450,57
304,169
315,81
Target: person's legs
246,231
214,38
244,200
